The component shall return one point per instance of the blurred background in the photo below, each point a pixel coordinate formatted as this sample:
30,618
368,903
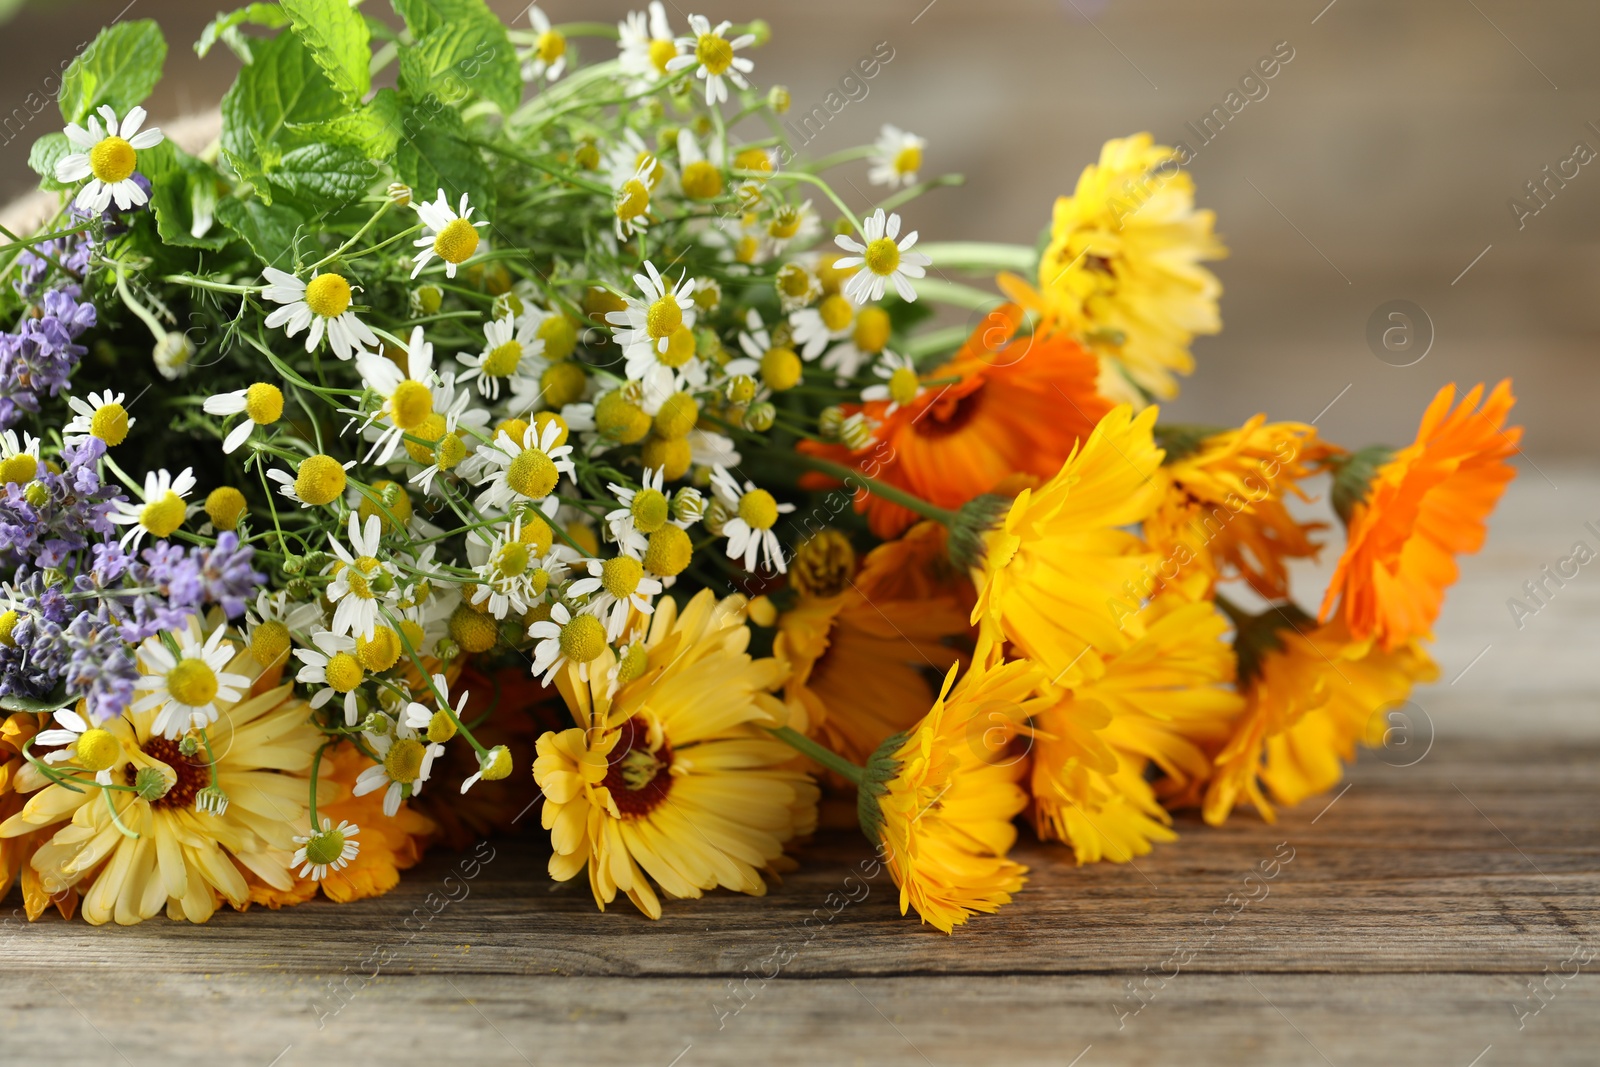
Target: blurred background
1377,167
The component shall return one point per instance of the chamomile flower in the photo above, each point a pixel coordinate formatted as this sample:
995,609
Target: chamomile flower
643,511
449,235
323,304
615,587
701,176
318,480
19,458
712,57
549,56
656,333
93,749
184,689
896,157
513,577
407,397
630,198
511,350
271,624
327,849
162,511
493,765
754,514
791,223
333,666
814,328
108,157
407,763
646,45
102,416
777,365
900,384
884,258
525,469
361,581
566,638
261,404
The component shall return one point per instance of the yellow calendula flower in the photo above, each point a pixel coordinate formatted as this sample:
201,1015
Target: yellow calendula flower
670,781
1123,268
1055,575
939,800
1312,693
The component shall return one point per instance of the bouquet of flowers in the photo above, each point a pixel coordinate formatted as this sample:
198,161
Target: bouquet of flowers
462,428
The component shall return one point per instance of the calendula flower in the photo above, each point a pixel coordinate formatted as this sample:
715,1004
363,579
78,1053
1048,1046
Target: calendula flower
333,666
102,416
754,514
162,511
646,45
323,304
447,234
407,395
884,258
108,157
524,469
361,581
549,56
938,800
407,764
896,157
327,849
670,782
1122,270
185,690
1424,507
261,404
712,56
132,852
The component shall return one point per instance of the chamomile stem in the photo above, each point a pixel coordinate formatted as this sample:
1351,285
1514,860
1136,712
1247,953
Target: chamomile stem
852,477
952,293
821,754
980,255
911,192
383,209
809,179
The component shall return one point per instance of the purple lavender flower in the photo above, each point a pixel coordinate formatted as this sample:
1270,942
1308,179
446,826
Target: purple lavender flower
31,665
101,667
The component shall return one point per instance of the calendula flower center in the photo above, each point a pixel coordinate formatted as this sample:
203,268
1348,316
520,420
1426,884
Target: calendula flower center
638,777
835,311
456,242
758,509
664,317
191,774
662,52
404,762
503,359
903,385
583,638
343,672
163,515
112,160
192,682
97,750
532,474
109,423
882,256
620,576
328,295
411,404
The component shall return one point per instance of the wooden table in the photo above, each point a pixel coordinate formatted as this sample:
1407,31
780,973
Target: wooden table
1442,909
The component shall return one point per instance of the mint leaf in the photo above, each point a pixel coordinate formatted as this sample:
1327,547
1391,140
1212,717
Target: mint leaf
183,196
283,87
269,229
466,52
338,39
225,27
432,156
46,153
374,129
322,172
119,68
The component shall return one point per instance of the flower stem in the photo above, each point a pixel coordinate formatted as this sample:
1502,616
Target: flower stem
820,753
893,494
981,255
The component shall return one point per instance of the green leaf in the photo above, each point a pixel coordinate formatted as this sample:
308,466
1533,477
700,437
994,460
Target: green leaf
269,229
223,27
183,190
338,39
119,68
466,53
374,129
46,153
323,172
38,707
432,157
282,88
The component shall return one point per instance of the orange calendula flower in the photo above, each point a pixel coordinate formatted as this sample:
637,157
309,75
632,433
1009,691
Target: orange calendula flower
15,852
1424,507
1312,693
939,801
1006,405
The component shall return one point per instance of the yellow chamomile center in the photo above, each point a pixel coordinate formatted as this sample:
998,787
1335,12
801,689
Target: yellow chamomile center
263,403
551,46
753,159
909,160
649,510
532,474
380,653
562,383
536,534
512,560
633,199
225,506
97,750
664,317
702,181
430,429
758,509
835,312
545,419
502,360
8,623
328,295
192,682
269,642
882,256
392,500
163,515
109,423
620,576
677,416
358,576
343,672
780,369
441,727
456,242
112,160
662,51
680,348
583,638
324,847
452,450
785,224
320,480
872,330
18,469
903,385
632,664
410,404
560,337
404,761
